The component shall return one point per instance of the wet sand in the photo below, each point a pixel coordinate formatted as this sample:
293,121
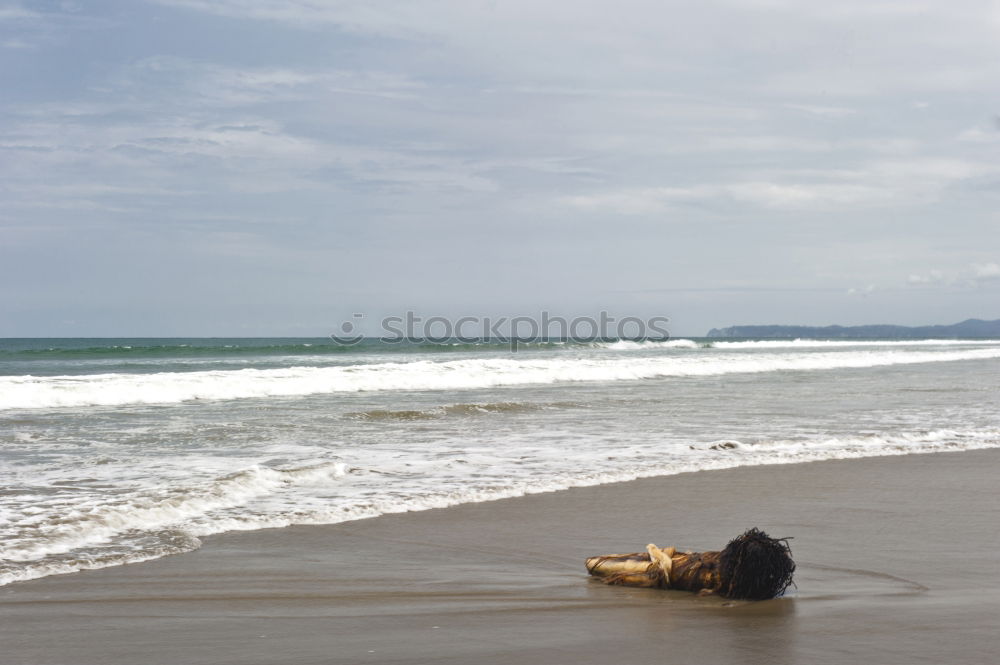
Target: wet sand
899,562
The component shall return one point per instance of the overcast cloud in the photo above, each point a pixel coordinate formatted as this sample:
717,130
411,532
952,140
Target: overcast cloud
259,167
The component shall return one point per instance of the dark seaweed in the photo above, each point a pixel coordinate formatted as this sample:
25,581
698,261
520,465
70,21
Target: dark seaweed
755,566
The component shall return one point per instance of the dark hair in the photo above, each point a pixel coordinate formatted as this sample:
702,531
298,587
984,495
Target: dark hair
754,566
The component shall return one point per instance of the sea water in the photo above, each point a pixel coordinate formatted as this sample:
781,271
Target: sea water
122,450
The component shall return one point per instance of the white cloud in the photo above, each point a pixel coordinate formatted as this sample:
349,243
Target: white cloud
864,291
986,271
808,195
636,201
192,115
639,201
932,277
971,276
247,154
766,144
17,13
825,111
903,183
163,78
816,54
982,133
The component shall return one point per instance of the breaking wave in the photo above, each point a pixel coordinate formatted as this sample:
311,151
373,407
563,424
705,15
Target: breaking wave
630,345
113,389
846,343
470,409
66,537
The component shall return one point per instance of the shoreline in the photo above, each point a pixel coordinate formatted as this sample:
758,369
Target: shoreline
504,581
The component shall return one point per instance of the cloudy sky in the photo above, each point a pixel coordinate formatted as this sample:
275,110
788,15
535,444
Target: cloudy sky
269,167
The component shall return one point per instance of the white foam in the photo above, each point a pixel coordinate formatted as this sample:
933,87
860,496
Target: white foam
630,345
27,392
86,526
202,511
76,564
846,343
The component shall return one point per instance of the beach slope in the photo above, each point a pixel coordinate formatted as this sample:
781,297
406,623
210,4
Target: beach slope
898,562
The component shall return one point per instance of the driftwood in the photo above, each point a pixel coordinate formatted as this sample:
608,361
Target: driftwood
753,566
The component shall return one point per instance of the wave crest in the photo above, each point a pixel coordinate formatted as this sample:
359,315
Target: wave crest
27,392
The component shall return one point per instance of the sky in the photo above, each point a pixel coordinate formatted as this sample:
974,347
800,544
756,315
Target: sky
274,167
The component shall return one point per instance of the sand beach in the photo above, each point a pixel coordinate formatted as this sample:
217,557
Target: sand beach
897,563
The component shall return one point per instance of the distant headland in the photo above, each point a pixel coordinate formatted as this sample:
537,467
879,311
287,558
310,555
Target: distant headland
970,328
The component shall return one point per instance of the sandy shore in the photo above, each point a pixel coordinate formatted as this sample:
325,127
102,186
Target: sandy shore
899,562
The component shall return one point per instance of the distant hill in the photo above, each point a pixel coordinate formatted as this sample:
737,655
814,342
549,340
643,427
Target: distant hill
966,329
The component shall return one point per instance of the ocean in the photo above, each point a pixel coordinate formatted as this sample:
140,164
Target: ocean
115,451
